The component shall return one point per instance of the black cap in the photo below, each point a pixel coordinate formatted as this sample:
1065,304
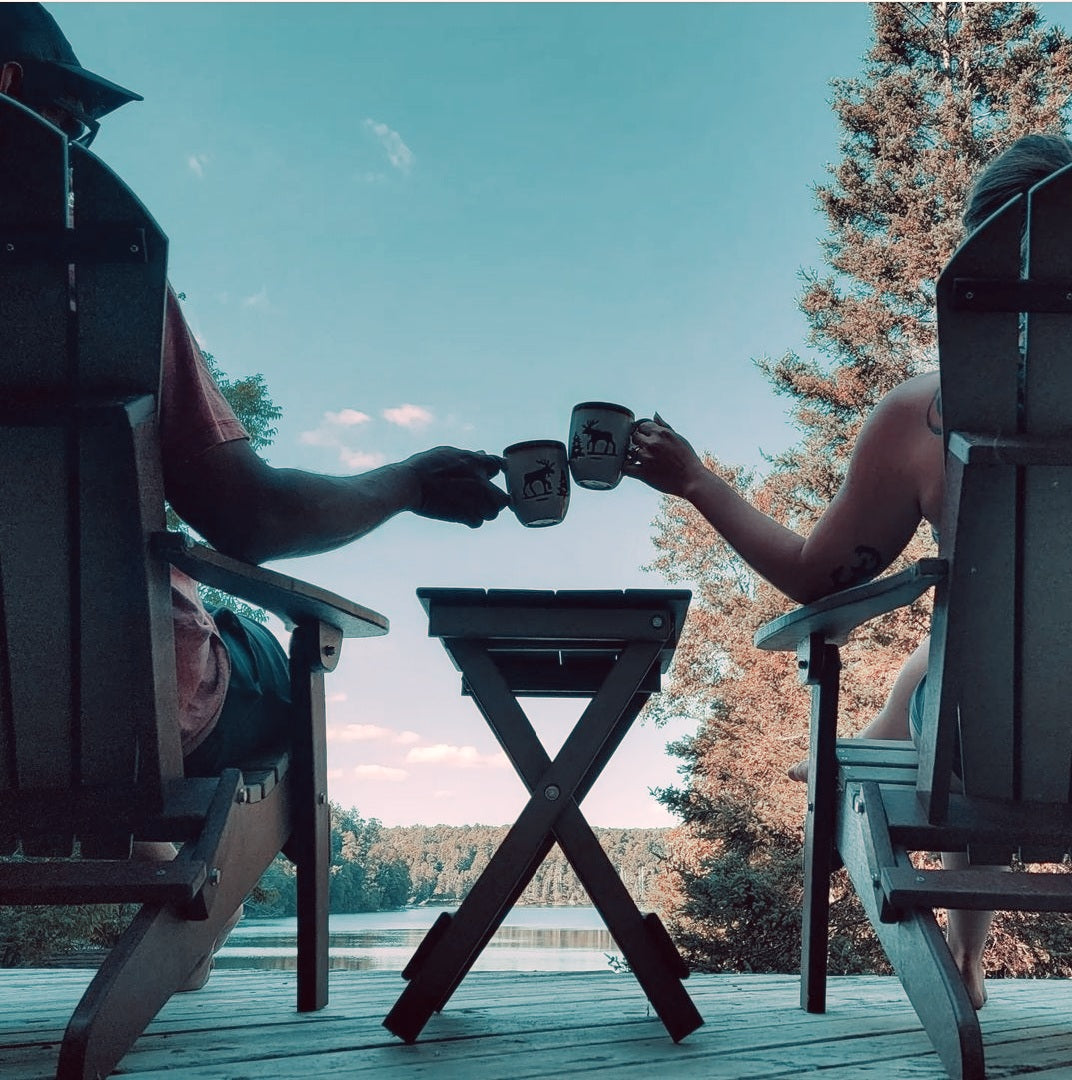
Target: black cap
29,35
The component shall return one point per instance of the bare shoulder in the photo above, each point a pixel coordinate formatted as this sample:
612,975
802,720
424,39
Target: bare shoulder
907,407
913,393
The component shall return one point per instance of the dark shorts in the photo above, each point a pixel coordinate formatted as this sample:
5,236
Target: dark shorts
915,710
255,720
915,720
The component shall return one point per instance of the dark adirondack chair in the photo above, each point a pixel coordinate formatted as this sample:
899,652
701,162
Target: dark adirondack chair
89,742
998,710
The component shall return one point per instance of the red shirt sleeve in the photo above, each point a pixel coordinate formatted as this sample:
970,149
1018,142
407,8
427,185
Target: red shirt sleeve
194,415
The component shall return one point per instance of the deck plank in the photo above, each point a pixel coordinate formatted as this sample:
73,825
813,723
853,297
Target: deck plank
538,1024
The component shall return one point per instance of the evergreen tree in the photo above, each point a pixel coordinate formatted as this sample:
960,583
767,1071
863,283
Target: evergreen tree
944,86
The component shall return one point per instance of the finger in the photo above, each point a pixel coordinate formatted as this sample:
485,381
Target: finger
492,464
633,465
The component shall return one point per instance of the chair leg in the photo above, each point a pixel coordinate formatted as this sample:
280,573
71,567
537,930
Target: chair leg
918,953
162,946
815,920
146,966
820,668
310,842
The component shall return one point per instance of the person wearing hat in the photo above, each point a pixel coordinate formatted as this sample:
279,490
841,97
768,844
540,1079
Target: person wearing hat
232,674
41,70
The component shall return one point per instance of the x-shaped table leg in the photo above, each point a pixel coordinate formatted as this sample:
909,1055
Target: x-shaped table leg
552,813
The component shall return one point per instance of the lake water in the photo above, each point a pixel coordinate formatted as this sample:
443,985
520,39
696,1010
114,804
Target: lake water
530,939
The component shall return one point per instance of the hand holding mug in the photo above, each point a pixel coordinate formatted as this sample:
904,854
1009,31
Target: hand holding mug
662,458
455,485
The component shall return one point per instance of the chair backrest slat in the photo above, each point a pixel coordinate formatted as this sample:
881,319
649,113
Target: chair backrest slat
33,482
1045,566
1003,639
120,315
87,694
976,656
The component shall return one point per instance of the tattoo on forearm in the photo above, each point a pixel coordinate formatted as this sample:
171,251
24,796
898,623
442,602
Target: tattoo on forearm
868,562
934,413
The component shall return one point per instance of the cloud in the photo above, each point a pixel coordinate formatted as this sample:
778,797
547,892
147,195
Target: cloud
337,698
197,163
455,757
347,417
333,433
371,733
356,733
257,300
360,460
318,437
398,153
409,416
380,772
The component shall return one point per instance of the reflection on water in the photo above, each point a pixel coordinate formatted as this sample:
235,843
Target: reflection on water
530,939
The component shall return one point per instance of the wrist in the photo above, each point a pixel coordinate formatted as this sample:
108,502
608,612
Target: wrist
405,483
695,482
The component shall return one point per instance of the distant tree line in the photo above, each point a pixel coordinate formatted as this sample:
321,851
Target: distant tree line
375,867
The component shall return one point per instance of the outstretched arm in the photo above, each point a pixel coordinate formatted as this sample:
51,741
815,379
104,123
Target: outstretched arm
252,511
866,526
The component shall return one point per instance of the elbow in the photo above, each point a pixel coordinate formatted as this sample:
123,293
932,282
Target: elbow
254,538
242,548
237,504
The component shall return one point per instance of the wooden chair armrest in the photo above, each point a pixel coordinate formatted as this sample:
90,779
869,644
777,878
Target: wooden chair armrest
836,615
291,600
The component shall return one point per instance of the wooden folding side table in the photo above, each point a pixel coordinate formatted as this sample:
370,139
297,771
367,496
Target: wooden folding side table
611,647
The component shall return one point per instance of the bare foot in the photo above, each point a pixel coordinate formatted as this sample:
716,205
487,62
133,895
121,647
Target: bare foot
971,971
799,772
974,982
199,976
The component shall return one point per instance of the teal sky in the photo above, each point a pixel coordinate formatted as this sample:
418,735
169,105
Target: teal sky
448,223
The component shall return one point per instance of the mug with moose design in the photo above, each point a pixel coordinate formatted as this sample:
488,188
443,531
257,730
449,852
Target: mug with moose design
599,438
537,478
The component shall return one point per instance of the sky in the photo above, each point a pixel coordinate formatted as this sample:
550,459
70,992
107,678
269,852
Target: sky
447,224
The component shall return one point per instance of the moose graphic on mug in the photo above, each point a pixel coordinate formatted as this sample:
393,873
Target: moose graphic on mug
599,441
537,483
599,438
537,478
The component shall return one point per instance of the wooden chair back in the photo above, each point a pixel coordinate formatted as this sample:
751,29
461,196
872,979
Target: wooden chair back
999,691
88,732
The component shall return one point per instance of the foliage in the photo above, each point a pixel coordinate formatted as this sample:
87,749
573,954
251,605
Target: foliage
368,873
944,87
376,867
445,860
30,935
252,403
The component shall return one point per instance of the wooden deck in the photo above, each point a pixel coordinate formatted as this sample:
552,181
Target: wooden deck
498,1025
